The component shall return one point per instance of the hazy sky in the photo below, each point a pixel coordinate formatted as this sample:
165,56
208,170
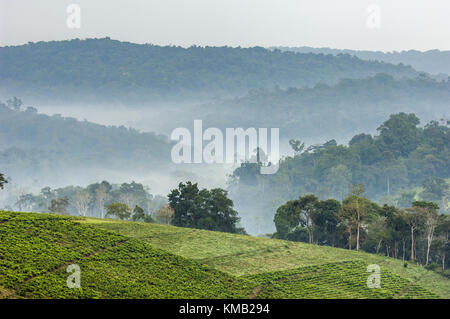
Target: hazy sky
403,24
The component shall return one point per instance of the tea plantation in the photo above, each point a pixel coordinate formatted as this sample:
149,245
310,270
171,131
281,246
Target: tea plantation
35,250
138,260
244,256
335,280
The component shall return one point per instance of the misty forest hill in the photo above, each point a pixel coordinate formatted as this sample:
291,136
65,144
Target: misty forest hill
332,112
431,61
34,145
115,71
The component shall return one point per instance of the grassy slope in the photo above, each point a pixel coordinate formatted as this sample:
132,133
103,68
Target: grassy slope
246,256
35,250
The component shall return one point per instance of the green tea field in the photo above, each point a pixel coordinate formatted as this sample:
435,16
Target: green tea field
139,260
35,250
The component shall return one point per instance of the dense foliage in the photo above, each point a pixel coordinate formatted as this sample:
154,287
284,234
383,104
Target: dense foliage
401,164
417,233
203,209
122,71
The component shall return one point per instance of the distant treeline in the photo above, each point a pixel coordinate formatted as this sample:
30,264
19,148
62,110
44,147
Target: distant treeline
417,233
122,71
91,201
432,61
185,206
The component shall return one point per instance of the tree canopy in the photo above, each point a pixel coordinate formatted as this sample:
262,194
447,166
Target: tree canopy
203,209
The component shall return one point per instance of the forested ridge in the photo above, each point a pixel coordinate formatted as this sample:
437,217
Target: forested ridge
122,71
432,61
32,143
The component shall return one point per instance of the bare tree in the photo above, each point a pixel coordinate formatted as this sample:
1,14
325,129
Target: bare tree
101,196
413,219
443,231
353,211
82,201
129,199
431,217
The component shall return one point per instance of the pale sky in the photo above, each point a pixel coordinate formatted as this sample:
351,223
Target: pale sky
403,24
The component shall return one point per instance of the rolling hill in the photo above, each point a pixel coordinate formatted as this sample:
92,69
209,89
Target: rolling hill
114,71
137,260
252,257
35,250
35,146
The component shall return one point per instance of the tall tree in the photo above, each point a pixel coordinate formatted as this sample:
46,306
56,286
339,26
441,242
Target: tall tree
397,224
101,196
414,219
82,201
356,208
443,232
308,205
429,211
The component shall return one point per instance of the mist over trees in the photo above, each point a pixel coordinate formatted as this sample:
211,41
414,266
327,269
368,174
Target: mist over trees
36,146
332,112
402,164
333,99
95,200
